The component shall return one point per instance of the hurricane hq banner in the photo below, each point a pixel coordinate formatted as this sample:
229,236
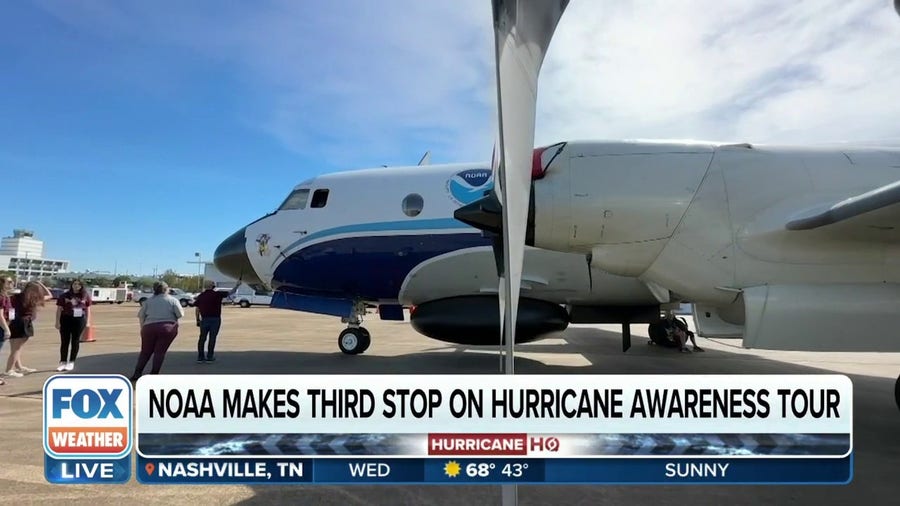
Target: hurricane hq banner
458,428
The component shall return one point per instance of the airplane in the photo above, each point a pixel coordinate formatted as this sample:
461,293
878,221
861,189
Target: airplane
790,248
386,237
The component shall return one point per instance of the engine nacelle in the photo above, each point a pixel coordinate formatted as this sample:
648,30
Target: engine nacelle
619,202
821,317
851,317
475,320
719,322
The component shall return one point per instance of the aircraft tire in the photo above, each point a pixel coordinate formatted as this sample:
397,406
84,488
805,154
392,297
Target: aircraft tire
897,392
366,340
353,341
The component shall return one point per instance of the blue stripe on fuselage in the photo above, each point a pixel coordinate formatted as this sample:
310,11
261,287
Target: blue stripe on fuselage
382,226
369,267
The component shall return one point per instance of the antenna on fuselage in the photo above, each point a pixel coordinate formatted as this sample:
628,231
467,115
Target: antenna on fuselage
426,159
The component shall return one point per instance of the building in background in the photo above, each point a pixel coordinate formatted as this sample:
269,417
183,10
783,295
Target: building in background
23,255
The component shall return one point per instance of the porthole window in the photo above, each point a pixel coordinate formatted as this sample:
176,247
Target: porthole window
413,204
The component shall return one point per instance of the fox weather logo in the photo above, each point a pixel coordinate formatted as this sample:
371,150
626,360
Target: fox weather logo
469,185
87,415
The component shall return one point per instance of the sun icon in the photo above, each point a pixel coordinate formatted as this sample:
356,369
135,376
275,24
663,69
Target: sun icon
451,469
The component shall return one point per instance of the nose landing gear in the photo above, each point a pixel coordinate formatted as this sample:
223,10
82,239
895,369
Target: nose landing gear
355,339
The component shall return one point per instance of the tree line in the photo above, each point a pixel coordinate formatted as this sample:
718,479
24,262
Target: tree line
174,280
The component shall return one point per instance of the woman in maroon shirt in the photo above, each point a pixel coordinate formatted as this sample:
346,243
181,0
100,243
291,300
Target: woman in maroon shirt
24,310
73,314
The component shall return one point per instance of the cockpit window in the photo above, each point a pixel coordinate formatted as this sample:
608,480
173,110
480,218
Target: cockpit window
296,200
320,198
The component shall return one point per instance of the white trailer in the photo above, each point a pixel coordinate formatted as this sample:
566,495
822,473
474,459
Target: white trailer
108,295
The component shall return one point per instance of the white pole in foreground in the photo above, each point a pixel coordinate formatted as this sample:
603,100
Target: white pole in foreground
509,494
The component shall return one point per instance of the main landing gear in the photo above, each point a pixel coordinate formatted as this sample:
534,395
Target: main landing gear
354,339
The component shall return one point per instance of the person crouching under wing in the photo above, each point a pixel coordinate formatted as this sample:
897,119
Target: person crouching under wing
672,332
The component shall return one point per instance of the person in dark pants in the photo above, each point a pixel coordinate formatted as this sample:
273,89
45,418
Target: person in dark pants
208,309
73,311
159,317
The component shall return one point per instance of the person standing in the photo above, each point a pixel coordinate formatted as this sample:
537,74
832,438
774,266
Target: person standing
24,310
6,284
208,310
73,315
159,317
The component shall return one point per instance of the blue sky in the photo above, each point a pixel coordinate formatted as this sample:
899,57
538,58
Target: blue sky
134,133
137,133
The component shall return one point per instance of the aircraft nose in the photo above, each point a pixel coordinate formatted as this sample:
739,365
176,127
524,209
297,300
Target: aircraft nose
232,260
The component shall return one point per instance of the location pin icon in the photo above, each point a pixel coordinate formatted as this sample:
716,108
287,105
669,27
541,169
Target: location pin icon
150,468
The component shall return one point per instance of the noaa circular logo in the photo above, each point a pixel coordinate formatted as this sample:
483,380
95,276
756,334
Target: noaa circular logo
469,185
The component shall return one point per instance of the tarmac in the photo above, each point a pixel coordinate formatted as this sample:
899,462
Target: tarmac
267,341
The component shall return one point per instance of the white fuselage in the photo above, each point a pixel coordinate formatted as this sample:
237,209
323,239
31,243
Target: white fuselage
388,235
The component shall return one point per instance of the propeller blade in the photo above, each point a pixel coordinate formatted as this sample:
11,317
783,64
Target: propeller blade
522,33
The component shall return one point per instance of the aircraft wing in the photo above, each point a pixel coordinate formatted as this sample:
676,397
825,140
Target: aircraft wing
873,215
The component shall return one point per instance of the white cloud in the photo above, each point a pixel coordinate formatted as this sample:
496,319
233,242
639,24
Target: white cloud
376,77
360,82
776,72
347,81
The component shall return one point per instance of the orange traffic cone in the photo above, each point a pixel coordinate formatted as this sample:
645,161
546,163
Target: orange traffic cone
88,335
